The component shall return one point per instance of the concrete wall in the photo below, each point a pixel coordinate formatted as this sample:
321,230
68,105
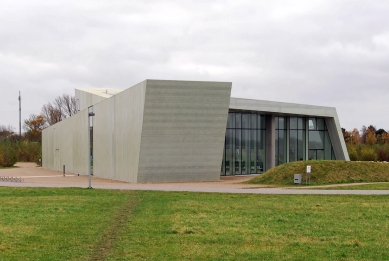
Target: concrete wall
91,96
183,130
117,134
65,143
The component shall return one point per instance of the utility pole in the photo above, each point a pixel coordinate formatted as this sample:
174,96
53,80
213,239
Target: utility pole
20,116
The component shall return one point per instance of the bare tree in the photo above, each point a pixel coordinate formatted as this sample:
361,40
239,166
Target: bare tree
62,107
69,105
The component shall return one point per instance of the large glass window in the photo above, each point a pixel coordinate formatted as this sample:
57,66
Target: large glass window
280,151
296,139
244,151
320,147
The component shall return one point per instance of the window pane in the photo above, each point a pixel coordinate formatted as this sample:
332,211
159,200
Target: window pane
231,120
277,123
253,121
312,155
312,124
261,122
238,120
245,121
301,144
301,123
320,124
293,123
327,146
316,140
229,151
320,154
261,153
293,145
281,123
253,151
238,152
245,151
280,147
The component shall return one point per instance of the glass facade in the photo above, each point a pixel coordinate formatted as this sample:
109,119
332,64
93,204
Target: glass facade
281,139
320,147
244,148
296,138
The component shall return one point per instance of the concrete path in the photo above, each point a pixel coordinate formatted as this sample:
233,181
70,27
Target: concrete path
37,177
197,187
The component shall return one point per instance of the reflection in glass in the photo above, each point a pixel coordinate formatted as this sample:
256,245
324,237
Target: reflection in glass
244,144
245,151
238,154
229,151
293,123
231,120
316,140
245,121
238,120
293,145
320,146
253,121
301,145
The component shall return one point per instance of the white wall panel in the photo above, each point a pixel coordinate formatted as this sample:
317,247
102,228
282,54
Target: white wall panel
183,131
65,143
117,133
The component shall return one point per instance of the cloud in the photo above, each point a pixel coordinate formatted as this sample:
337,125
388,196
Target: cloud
332,53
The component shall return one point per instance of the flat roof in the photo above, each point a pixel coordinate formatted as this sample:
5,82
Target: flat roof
102,92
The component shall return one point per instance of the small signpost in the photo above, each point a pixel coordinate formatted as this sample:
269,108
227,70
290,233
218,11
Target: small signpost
308,175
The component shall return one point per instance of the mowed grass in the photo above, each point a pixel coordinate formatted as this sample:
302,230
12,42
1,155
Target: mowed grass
375,186
55,224
81,224
325,172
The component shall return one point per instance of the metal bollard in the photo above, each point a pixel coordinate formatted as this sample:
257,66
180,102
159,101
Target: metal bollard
64,170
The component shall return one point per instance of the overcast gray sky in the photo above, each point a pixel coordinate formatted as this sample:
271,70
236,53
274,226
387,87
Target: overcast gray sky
330,53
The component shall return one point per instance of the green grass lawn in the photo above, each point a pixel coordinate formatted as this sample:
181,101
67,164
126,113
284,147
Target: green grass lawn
82,224
325,172
375,186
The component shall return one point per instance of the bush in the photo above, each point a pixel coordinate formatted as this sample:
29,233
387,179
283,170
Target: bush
353,153
8,156
368,154
383,155
13,151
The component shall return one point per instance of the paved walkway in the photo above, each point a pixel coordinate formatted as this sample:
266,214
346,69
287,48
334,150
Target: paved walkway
37,177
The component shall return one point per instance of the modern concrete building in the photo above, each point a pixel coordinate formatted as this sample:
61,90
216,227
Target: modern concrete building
161,131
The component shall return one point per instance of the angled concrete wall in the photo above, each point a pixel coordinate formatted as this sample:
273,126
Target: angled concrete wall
117,134
65,143
183,130
91,96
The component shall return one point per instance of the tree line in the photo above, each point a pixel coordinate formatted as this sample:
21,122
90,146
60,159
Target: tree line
367,144
27,147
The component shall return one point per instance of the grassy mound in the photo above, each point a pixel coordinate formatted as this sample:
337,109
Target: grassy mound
325,172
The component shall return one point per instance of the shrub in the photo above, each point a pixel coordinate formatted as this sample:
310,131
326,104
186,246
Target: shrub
382,155
368,154
8,155
13,151
353,153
